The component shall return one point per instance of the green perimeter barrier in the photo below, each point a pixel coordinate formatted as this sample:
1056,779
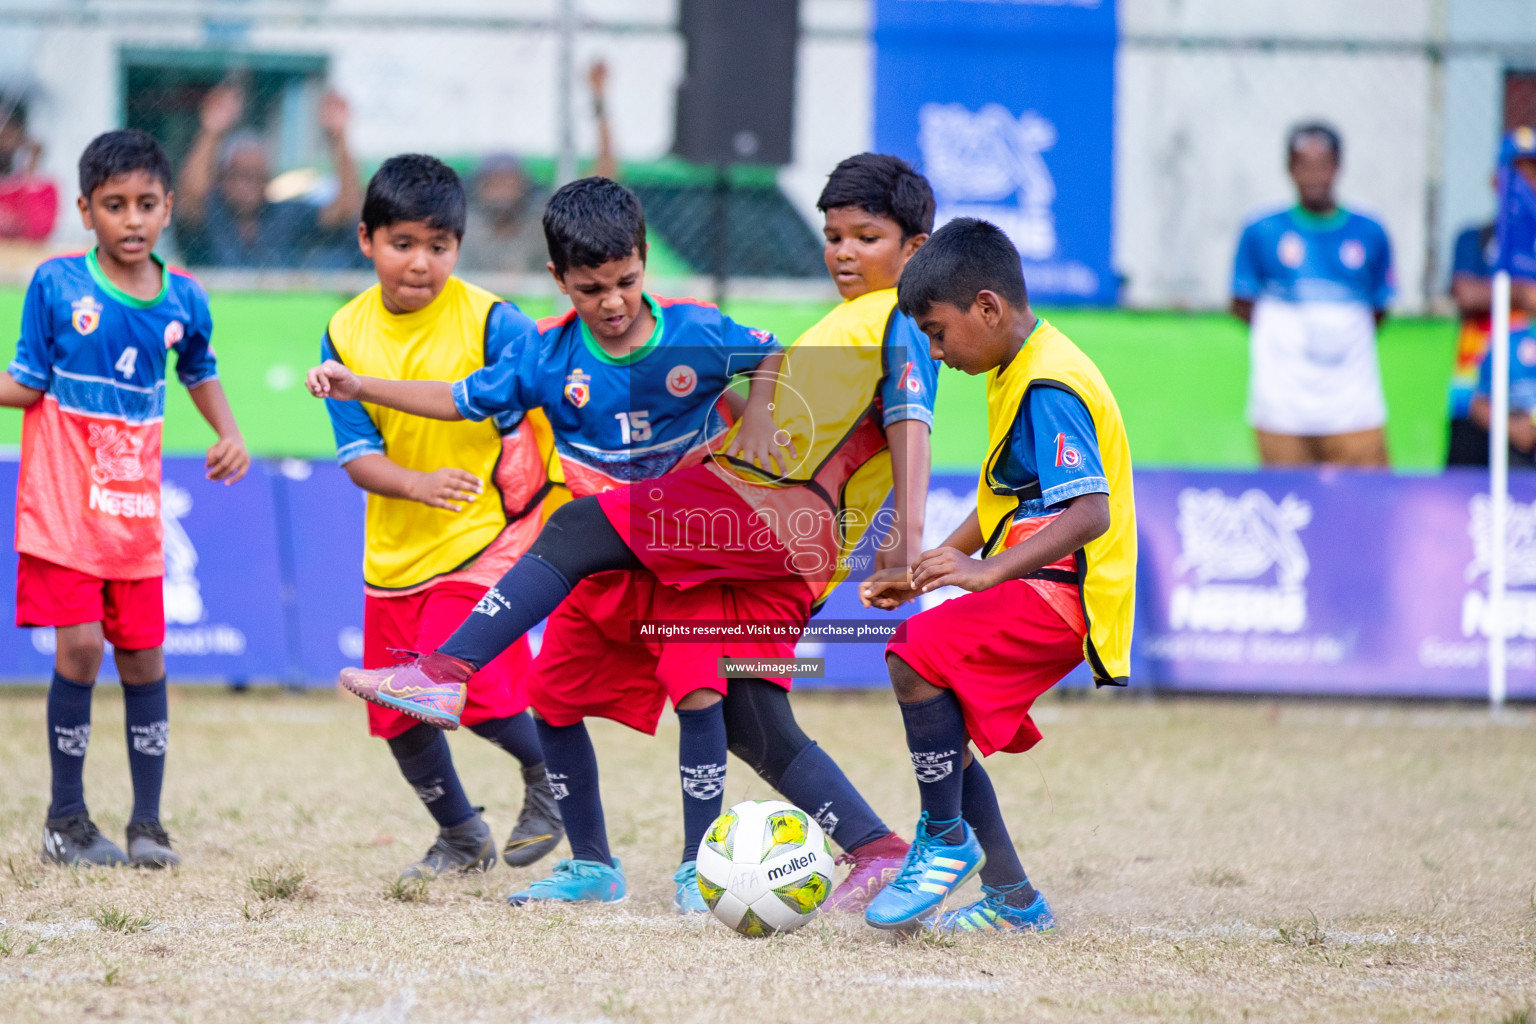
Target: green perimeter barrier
1180,378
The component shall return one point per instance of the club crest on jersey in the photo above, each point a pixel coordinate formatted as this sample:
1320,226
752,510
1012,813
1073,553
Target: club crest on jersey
763,337
909,381
1066,455
174,332
1352,253
681,380
86,316
578,387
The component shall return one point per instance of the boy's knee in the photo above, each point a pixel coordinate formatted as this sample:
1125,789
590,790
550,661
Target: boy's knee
909,686
140,667
699,699
78,655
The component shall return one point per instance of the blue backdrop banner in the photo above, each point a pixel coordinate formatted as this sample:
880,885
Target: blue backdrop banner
1008,107
1329,582
224,578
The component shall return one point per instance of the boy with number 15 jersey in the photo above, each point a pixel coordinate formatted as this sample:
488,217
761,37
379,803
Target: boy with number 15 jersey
633,387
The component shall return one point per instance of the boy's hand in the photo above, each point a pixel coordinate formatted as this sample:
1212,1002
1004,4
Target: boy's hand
948,567
761,442
446,488
227,460
333,380
887,589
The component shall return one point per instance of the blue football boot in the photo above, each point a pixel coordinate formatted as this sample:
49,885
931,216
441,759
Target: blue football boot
993,913
576,881
688,899
932,871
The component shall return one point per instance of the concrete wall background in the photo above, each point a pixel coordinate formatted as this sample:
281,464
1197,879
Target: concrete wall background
1205,92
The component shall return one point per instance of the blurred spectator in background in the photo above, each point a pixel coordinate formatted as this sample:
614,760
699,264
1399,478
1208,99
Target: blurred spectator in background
28,204
1472,289
19,152
504,230
224,217
1313,282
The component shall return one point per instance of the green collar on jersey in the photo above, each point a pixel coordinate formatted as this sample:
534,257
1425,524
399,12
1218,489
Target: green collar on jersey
105,283
1318,221
629,358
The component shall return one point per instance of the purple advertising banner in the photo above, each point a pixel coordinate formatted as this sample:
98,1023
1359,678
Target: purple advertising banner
224,577
1329,582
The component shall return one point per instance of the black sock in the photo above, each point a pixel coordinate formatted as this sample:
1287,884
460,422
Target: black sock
936,737
814,781
146,715
425,761
516,735
701,763
577,541
69,733
1003,868
572,766
520,600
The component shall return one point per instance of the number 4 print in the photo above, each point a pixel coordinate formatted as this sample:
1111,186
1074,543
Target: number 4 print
126,362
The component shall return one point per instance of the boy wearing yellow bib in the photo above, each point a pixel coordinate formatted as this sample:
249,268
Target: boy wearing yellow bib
450,505
1055,526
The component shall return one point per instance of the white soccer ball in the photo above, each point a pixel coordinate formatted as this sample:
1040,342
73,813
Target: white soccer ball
764,867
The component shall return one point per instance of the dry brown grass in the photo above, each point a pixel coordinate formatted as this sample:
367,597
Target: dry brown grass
1210,861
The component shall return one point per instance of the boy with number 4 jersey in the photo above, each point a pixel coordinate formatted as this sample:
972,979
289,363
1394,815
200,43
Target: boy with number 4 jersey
89,370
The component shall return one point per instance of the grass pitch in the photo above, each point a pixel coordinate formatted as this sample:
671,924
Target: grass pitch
1210,861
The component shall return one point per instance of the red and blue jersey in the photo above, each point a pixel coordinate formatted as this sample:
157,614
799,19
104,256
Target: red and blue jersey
617,419
88,496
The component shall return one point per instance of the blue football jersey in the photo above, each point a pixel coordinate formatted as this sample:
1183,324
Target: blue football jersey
1295,256
620,419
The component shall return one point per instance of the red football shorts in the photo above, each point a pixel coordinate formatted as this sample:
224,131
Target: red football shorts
690,527
588,667
131,612
996,650
420,622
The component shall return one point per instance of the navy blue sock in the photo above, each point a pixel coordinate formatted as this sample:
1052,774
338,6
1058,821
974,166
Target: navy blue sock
516,735
701,763
425,761
148,722
572,766
813,780
69,733
520,600
982,813
936,738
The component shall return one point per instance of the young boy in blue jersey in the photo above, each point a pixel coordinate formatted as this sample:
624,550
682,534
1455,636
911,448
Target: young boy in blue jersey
1055,526
633,387
96,330
450,505
1313,282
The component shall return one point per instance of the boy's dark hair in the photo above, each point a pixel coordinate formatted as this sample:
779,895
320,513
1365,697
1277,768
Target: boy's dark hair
1314,130
122,152
413,186
886,186
962,258
592,221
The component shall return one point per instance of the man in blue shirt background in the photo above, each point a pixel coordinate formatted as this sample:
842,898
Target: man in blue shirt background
1313,282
